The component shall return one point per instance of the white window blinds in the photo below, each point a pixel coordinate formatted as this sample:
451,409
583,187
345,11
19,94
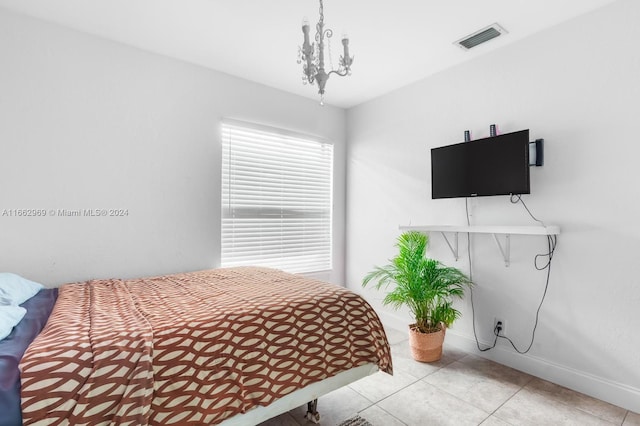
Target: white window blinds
276,199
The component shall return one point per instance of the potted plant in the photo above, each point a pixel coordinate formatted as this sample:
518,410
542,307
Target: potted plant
427,287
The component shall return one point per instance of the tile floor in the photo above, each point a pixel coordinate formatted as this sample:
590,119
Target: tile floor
460,389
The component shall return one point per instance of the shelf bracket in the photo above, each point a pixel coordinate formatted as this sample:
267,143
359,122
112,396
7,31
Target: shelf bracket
506,250
454,248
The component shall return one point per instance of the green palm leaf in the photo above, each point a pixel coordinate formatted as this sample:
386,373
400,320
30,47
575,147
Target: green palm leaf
426,286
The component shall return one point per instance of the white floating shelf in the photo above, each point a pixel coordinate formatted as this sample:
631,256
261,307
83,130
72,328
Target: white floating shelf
495,230
487,229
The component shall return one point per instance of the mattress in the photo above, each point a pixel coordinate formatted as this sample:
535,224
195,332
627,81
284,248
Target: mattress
12,348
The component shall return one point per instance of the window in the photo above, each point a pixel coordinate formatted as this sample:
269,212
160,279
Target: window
276,199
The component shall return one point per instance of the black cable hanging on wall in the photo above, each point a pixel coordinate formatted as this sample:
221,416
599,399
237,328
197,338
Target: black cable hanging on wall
552,241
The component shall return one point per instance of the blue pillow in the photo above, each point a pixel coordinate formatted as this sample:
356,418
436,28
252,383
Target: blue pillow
10,316
15,290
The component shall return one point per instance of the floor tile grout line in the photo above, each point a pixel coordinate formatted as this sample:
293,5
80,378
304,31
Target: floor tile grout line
521,387
458,398
495,417
379,407
525,386
402,388
579,408
532,379
624,419
393,393
375,404
507,400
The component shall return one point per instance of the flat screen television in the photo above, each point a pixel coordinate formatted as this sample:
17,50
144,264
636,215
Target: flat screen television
497,165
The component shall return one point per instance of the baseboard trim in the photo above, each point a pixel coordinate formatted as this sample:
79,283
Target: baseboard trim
616,393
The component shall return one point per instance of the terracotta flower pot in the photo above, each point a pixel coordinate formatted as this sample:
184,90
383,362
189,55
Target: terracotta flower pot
426,347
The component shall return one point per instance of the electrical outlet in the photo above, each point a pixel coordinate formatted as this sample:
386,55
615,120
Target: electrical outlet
499,322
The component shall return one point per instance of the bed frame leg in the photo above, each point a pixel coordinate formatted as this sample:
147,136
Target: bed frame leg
312,412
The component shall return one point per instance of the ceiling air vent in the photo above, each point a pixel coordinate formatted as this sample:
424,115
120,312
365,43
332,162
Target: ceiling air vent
481,36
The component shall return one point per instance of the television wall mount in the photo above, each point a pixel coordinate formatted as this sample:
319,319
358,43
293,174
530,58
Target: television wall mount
536,153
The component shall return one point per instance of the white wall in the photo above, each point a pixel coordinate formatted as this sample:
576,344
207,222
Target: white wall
577,86
90,124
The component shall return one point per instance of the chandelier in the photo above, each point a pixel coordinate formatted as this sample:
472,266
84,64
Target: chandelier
311,55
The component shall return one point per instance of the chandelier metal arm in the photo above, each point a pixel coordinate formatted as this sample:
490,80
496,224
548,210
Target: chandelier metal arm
341,73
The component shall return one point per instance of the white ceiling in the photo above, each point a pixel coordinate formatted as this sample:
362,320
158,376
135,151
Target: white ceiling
394,42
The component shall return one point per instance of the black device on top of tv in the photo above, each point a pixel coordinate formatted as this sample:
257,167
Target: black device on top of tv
497,165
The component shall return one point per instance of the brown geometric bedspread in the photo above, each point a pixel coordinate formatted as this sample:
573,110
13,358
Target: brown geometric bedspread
193,348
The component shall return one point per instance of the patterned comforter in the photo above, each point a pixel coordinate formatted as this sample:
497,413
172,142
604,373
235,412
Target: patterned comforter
193,348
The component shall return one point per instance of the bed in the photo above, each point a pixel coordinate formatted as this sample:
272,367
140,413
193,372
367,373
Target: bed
13,347
223,346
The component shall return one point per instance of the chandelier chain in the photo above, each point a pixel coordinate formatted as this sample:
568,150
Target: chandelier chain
330,56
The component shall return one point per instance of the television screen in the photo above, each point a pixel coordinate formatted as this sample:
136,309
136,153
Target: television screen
498,165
